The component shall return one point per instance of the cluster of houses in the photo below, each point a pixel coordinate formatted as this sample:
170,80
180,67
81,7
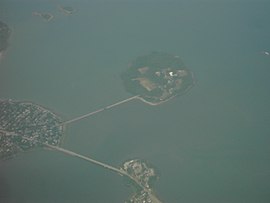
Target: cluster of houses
140,171
25,125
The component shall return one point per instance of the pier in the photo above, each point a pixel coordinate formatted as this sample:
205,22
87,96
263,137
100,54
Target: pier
98,111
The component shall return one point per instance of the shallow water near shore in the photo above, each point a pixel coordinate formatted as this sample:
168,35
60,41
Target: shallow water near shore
208,145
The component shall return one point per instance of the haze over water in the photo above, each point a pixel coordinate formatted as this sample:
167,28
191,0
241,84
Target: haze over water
209,145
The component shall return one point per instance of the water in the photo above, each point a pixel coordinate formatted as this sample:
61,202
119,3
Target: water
210,145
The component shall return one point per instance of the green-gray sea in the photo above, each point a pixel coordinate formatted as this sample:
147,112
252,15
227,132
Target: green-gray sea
209,145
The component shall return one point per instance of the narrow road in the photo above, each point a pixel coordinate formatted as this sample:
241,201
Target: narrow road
98,111
106,166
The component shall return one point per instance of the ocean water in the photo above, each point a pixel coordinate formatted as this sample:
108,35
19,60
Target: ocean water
209,145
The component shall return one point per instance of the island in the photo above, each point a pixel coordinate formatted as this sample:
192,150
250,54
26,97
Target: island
45,16
141,177
67,10
4,36
25,125
157,77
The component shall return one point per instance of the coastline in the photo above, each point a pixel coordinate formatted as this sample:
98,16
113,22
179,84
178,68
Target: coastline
163,101
155,104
